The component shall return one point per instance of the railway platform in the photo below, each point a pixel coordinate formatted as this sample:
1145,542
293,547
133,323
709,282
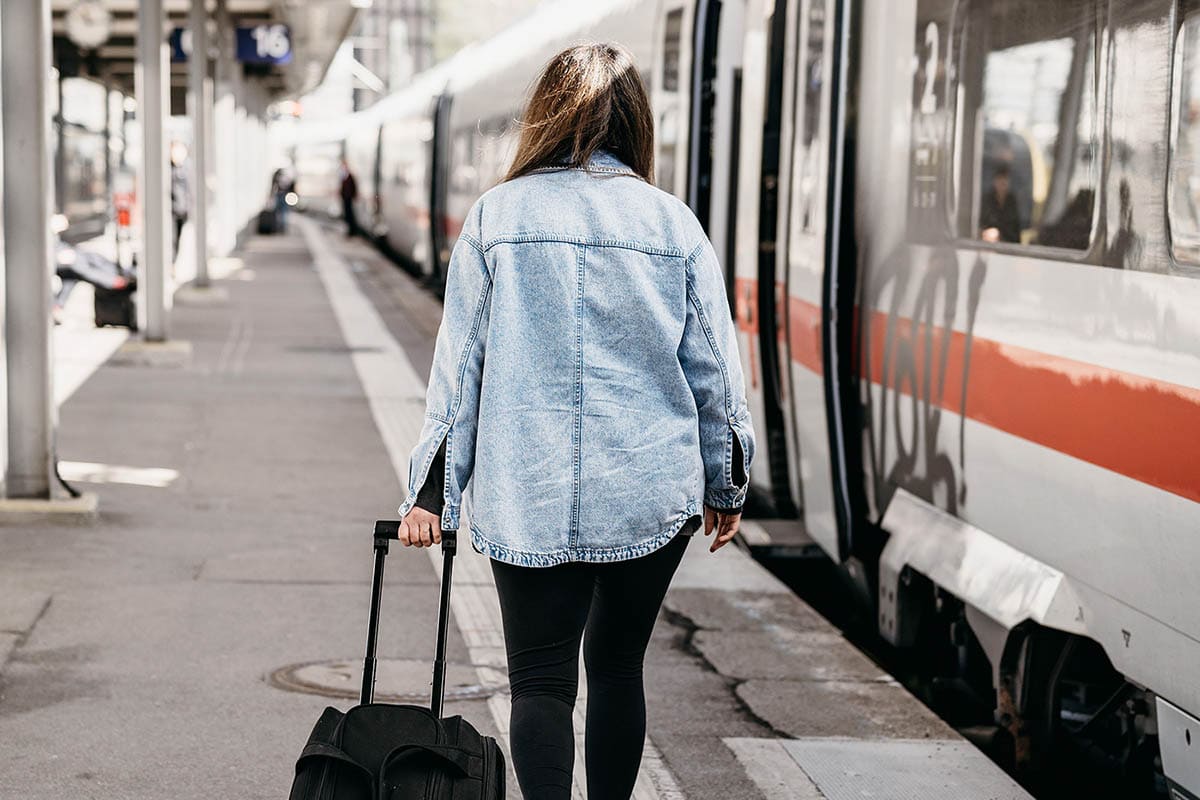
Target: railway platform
181,642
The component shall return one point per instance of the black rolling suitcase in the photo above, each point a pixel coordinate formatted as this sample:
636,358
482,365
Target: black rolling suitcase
377,751
115,307
268,222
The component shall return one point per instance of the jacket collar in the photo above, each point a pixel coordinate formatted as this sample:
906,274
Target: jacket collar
605,158
600,161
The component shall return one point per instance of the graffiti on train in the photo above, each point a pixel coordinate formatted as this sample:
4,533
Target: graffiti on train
915,358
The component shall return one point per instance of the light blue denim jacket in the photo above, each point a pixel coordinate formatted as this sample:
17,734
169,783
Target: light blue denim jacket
585,380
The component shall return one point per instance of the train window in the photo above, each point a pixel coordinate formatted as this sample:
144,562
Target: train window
667,104
672,43
1183,181
82,139
664,162
1027,132
809,155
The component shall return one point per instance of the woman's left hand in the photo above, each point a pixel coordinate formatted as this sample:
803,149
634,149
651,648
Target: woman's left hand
419,528
725,524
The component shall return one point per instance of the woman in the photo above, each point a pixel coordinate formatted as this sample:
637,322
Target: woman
586,376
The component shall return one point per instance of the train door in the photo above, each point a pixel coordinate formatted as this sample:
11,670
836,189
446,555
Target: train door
721,85
758,284
669,97
701,119
806,220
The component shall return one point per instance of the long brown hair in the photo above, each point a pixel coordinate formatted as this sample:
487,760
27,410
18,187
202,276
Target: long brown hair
589,97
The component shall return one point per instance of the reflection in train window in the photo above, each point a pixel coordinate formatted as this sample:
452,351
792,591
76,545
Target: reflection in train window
810,153
1028,132
1183,189
672,36
667,104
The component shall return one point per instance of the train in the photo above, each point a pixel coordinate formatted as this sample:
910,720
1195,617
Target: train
962,248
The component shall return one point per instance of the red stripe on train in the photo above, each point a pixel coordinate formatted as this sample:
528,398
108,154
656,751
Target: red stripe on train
1143,428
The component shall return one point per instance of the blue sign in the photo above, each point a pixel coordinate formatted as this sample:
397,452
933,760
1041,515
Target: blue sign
181,44
264,44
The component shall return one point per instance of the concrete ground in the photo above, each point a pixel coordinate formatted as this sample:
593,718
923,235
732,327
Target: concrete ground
140,654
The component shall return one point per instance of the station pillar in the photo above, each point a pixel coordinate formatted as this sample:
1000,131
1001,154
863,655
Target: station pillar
151,87
224,132
200,95
28,248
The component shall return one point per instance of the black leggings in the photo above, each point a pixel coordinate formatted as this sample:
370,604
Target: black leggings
546,610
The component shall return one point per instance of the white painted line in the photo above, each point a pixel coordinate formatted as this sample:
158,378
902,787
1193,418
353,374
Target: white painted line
396,395
773,770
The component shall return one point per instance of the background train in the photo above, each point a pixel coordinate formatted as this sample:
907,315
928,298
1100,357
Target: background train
962,243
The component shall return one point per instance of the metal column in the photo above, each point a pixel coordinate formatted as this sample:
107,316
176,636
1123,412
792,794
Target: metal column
28,246
201,97
225,134
154,198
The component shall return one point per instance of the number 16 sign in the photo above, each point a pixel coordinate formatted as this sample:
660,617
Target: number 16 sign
264,44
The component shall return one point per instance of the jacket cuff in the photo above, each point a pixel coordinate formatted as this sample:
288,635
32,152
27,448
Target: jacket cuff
450,515
726,500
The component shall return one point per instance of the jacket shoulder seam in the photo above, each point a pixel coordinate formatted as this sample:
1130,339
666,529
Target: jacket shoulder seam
471,240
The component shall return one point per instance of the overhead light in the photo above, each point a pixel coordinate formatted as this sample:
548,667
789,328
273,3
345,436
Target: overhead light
361,3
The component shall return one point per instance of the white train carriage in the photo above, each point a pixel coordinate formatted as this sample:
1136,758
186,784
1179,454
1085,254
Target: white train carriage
962,241
409,168
976,337
1027,359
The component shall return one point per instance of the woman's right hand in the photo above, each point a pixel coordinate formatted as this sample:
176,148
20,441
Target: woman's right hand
724,523
420,528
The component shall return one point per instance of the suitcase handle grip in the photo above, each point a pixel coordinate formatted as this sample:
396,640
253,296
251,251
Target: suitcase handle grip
389,529
385,531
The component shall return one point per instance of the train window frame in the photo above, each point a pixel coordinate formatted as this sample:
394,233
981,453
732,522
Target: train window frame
1179,263
959,151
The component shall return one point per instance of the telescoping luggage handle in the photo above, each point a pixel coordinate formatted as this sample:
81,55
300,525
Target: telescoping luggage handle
385,531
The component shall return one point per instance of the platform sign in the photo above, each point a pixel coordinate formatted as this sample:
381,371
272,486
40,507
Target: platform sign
264,44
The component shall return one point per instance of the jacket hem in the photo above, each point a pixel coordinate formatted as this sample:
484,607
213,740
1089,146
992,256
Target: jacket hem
591,555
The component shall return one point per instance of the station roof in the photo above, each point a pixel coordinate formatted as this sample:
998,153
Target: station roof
317,29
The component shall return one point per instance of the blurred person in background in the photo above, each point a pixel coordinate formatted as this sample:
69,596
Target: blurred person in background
181,194
349,192
281,186
574,272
